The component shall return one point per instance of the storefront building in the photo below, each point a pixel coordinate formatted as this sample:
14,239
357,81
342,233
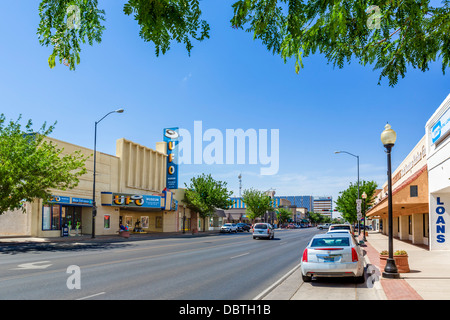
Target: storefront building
421,188
437,130
130,189
409,199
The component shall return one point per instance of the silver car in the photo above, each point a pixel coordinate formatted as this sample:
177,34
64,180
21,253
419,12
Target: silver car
333,255
263,230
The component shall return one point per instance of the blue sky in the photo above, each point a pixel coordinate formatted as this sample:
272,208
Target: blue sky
230,81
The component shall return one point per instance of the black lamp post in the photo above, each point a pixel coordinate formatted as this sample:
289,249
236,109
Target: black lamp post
364,196
357,164
388,137
94,206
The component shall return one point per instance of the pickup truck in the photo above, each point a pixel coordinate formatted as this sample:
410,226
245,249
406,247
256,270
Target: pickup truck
324,226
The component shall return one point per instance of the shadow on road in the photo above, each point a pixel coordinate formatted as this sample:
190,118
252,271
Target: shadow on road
59,247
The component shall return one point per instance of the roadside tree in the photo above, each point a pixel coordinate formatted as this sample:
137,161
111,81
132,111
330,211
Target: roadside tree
204,195
30,165
257,203
346,202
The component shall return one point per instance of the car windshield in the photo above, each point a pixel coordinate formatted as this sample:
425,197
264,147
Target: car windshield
261,226
330,242
227,225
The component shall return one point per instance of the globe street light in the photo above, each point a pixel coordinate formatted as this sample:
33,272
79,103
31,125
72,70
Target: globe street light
357,164
388,137
94,206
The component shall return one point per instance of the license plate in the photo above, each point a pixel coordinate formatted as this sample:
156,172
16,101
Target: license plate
325,258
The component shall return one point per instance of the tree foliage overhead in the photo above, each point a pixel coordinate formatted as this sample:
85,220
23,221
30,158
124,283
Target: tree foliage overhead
30,165
346,202
390,35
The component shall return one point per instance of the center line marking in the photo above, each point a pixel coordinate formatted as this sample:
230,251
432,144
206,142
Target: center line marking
244,254
93,295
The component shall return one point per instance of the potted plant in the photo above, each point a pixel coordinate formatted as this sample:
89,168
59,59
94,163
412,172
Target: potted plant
400,258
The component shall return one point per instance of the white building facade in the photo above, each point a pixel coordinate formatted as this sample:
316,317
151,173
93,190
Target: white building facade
438,161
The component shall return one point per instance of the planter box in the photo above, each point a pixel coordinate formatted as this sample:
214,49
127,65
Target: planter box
401,261
125,234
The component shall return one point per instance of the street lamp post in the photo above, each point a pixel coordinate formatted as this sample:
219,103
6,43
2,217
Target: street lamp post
94,205
357,164
388,137
364,196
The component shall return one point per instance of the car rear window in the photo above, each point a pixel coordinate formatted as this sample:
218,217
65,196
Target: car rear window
261,226
330,242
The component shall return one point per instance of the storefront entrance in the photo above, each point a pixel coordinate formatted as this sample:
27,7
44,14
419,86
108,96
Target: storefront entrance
55,216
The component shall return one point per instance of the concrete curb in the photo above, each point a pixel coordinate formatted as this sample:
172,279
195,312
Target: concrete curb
276,284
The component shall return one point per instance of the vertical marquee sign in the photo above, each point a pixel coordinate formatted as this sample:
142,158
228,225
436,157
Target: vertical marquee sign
171,137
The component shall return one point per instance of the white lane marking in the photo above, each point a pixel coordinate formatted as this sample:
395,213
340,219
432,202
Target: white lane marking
32,265
244,254
92,295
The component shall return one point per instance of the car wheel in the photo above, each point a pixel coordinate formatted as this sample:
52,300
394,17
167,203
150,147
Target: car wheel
306,278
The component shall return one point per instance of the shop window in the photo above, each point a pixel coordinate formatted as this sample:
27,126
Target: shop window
413,191
46,217
54,216
107,221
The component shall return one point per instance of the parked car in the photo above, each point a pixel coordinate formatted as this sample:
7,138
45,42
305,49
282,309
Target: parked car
323,226
243,227
229,227
263,230
341,227
332,255
345,231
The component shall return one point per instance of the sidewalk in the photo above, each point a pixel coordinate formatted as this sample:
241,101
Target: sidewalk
429,278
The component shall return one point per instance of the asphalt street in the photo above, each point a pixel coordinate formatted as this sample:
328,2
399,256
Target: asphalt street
216,267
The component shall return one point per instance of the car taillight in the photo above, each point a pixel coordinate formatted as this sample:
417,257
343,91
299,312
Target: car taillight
305,256
354,255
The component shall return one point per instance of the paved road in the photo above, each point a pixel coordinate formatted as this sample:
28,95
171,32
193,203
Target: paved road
218,267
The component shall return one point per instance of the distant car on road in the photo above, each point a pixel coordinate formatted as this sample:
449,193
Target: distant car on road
229,227
323,226
332,255
243,227
341,227
263,230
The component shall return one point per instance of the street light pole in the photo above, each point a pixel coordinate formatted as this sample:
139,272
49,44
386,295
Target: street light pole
388,137
364,196
357,164
94,205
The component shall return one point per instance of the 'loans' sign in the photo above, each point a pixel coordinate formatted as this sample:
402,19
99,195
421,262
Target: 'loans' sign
439,219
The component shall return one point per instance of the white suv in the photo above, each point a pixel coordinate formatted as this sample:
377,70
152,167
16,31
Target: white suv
229,227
